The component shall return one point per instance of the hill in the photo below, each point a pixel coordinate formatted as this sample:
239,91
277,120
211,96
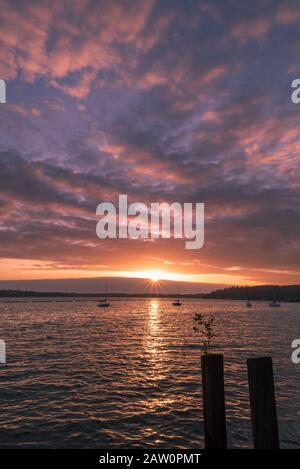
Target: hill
260,292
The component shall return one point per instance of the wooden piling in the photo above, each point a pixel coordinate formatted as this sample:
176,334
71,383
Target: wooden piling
214,401
263,403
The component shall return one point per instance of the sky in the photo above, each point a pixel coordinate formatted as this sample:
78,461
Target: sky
169,100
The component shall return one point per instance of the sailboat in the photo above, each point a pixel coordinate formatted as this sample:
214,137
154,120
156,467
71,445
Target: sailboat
177,302
274,304
103,302
248,304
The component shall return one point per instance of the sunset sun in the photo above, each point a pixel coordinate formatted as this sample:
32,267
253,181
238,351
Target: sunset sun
155,276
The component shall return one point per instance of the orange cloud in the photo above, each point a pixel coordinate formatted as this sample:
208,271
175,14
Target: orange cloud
26,32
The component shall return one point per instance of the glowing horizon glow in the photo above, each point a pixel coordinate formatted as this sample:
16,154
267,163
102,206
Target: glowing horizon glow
155,275
30,269
182,277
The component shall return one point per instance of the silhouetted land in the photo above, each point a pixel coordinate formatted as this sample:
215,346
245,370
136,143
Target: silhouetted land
37,294
262,292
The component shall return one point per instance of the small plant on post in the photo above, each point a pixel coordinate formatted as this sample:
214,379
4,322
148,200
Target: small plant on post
212,370
204,329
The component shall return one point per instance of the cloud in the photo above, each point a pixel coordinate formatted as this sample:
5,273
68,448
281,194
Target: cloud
79,90
168,101
57,39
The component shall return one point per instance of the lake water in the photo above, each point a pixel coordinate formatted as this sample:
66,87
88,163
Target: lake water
128,376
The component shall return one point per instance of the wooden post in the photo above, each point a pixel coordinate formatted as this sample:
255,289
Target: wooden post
263,403
214,401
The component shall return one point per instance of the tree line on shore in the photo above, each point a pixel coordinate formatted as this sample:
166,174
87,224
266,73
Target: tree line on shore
260,292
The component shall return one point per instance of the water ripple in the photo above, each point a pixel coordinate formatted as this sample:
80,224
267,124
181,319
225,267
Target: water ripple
129,376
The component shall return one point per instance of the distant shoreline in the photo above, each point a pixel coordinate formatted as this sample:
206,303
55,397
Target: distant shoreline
287,293
36,294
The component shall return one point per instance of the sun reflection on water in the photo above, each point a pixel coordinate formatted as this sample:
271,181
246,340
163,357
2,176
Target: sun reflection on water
157,356
153,341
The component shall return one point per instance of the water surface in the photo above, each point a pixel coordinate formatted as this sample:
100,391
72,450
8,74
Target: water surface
128,376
